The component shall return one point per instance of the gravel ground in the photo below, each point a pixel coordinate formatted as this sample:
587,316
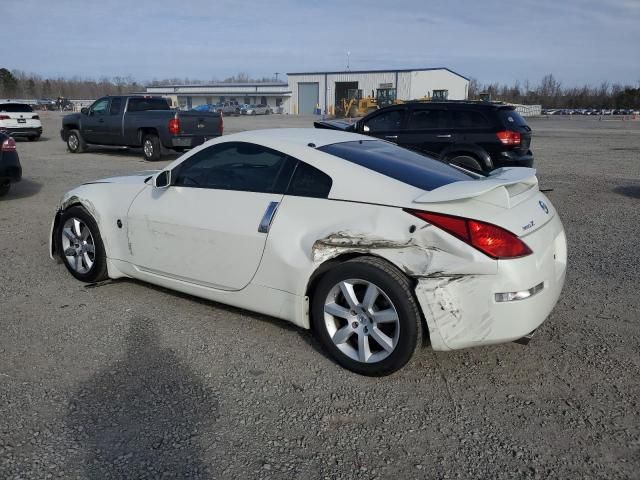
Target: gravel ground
127,380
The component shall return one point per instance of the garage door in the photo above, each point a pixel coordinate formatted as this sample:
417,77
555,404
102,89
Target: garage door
307,97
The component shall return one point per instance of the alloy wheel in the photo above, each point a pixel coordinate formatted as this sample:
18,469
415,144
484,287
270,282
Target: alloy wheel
78,245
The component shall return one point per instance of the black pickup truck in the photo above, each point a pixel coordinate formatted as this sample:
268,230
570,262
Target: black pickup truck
139,121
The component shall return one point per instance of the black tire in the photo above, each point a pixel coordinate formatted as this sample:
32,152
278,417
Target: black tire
98,270
397,290
151,148
78,145
34,139
4,189
466,161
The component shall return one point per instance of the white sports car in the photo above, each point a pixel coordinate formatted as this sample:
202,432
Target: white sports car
361,240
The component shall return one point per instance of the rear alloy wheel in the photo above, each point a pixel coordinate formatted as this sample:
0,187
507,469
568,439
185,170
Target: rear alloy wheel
81,247
366,317
466,161
151,148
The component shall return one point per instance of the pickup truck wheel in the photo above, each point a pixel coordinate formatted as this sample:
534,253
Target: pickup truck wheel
466,161
151,148
75,142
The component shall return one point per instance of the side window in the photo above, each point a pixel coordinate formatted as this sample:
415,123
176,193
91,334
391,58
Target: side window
116,105
308,181
234,166
468,119
101,107
424,119
385,121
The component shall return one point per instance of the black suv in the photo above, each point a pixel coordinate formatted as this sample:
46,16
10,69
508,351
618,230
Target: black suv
480,136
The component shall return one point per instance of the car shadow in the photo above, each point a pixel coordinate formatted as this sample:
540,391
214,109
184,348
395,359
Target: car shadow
22,189
141,417
632,191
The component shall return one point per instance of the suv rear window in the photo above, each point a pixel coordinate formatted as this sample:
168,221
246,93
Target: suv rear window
142,104
511,117
15,107
468,119
398,163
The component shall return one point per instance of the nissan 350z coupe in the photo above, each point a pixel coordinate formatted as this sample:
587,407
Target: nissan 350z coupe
360,240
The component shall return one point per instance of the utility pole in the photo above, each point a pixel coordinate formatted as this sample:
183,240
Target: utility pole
276,74
348,55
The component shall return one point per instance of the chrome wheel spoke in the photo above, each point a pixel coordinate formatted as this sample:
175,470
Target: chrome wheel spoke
383,339
89,247
87,261
78,263
385,316
364,349
342,335
77,228
337,311
349,294
370,296
67,232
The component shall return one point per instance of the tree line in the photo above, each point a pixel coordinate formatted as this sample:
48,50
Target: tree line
550,93
18,84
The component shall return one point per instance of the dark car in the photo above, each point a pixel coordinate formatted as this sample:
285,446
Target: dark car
10,169
479,136
139,121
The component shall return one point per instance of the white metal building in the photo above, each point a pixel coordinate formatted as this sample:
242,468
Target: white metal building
324,90
188,96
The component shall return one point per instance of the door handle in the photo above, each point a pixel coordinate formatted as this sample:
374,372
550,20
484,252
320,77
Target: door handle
267,218
445,136
391,136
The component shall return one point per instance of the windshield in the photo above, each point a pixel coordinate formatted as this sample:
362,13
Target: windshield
398,163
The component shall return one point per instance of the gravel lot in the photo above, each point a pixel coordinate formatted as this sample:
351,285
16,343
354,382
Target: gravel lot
127,380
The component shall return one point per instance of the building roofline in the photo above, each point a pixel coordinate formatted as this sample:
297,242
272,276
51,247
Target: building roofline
222,84
380,71
217,93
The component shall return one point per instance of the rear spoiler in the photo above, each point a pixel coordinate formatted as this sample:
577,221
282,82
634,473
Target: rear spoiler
344,125
514,180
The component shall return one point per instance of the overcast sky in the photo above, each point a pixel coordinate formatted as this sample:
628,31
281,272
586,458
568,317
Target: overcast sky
579,41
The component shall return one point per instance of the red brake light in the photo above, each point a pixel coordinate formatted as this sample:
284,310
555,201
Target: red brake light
507,137
9,145
494,241
5,117
174,126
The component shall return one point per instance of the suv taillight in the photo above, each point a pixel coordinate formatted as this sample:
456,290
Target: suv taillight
9,145
507,137
174,126
491,240
5,117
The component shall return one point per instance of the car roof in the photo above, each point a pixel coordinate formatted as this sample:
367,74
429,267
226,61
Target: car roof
299,137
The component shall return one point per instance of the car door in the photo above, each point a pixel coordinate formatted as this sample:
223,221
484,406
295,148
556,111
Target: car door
427,130
113,122
210,225
93,124
386,124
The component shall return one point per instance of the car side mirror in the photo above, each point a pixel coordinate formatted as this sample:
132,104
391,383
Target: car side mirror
84,111
163,179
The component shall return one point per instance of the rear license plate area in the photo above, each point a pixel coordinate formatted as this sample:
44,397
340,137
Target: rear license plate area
22,120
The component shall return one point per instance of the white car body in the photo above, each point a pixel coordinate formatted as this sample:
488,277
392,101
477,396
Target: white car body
256,110
19,119
206,242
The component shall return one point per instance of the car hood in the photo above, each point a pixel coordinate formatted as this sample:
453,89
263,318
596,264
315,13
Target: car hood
132,179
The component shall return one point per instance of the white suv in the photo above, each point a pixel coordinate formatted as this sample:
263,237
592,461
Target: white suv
19,120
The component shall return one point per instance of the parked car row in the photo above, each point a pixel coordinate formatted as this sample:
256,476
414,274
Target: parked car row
590,111
234,108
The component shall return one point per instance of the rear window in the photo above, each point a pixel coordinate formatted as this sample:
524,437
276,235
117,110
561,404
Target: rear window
142,104
511,117
468,119
398,163
15,107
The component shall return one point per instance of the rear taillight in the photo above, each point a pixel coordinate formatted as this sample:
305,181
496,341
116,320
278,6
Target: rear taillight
36,117
5,117
174,126
491,240
9,145
507,137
